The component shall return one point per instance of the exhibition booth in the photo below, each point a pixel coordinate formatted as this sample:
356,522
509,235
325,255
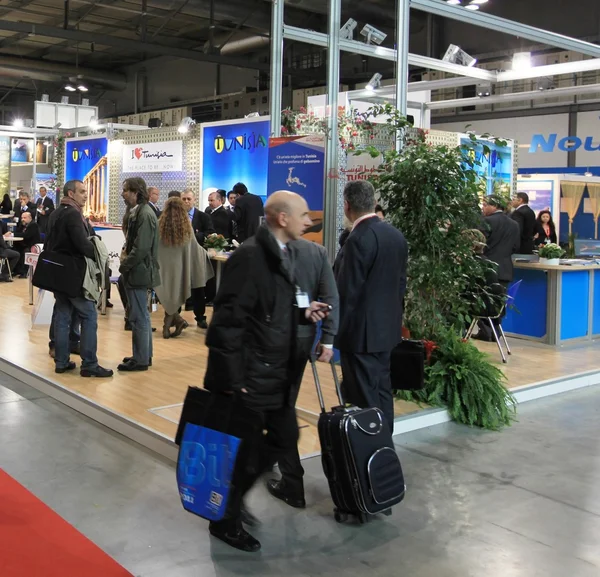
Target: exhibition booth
146,406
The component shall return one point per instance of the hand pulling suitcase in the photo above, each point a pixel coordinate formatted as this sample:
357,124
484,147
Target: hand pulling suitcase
359,459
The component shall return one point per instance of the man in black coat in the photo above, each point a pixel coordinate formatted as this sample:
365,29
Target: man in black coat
221,217
24,205
45,207
30,233
503,239
525,218
251,342
248,212
371,279
153,198
203,226
69,234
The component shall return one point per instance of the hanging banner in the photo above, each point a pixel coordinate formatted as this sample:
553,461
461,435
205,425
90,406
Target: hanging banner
235,152
4,165
86,160
297,164
153,157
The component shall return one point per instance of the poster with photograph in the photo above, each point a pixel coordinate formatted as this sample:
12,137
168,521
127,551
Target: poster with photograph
493,164
297,164
86,160
4,165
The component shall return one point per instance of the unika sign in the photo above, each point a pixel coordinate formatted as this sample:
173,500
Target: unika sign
541,143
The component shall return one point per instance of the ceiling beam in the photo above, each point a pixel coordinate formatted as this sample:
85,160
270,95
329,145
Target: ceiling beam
356,47
127,44
506,26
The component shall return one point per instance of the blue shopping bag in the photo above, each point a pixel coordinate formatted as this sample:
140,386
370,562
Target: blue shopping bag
205,468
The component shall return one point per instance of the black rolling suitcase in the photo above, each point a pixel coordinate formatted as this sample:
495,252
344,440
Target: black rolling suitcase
359,459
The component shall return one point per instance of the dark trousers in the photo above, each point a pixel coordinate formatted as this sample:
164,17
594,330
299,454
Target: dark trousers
280,438
210,291
198,301
366,382
13,260
484,326
290,465
74,332
123,295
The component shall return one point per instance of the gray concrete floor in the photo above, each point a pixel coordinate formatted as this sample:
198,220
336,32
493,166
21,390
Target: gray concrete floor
524,502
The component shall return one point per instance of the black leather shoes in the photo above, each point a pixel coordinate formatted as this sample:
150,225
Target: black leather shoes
277,489
98,372
128,359
131,366
70,367
235,537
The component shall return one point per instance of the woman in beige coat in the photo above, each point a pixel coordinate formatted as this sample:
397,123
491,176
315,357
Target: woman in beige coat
184,264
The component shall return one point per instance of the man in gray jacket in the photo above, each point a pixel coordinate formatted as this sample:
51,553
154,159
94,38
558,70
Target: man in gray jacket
313,275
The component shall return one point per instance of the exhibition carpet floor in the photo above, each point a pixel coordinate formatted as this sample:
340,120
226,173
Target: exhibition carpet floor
36,542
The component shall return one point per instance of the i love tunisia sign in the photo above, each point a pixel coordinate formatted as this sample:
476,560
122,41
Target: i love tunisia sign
153,157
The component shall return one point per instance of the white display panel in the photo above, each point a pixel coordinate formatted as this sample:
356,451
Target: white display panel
153,157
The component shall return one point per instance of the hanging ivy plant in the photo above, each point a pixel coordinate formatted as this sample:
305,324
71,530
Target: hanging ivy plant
58,164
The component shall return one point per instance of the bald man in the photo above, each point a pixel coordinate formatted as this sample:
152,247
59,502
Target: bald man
153,197
251,342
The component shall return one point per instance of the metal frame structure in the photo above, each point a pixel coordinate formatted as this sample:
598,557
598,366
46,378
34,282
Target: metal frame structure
403,59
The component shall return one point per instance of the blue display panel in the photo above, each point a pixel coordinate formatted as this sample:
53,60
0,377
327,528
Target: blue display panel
596,303
574,304
233,153
81,156
529,314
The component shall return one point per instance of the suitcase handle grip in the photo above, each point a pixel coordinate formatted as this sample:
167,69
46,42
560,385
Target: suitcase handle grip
336,380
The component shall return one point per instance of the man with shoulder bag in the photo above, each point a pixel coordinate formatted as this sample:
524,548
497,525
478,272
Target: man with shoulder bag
67,246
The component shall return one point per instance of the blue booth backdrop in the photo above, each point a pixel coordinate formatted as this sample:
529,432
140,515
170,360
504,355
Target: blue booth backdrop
236,152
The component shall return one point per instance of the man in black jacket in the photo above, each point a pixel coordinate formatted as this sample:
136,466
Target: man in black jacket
251,342
371,279
221,218
203,226
30,233
525,218
248,212
314,275
45,207
153,198
13,258
68,234
24,205
503,239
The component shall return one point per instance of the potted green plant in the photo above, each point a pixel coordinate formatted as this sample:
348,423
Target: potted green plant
216,242
550,254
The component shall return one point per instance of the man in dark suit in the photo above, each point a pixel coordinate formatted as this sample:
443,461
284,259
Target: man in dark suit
502,239
25,205
525,218
29,231
248,212
221,218
371,279
45,207
154,195
203,226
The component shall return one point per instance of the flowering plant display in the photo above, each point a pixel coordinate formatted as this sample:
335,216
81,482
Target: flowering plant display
215,242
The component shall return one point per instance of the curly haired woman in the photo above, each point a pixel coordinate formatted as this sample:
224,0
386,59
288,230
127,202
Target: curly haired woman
184,264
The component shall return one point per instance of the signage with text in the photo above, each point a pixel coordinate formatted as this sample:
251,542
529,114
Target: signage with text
153,157
541,143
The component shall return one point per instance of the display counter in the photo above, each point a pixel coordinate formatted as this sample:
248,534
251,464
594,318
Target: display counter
555,304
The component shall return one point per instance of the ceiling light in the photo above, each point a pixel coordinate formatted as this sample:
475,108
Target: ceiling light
70,88
546,83
18,123
375,82
484,89
373,35
82,88
453,2
185,125
93,122
479,2
457,55
472,7
521,61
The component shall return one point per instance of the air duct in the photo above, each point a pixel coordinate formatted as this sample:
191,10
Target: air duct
58,72
239,44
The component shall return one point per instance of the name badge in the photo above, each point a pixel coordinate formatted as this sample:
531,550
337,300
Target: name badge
302,300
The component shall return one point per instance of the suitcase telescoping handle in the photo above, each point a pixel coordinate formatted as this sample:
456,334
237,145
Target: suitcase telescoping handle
336,380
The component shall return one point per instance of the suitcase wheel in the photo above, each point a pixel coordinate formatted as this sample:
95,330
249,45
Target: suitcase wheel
339,516
363,518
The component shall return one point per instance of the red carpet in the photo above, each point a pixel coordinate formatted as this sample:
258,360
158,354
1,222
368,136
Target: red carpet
36,542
